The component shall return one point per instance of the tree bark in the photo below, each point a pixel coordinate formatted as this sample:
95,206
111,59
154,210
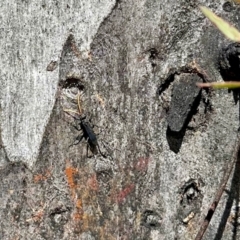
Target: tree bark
163,145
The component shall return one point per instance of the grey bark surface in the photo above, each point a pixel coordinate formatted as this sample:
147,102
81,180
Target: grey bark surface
163,144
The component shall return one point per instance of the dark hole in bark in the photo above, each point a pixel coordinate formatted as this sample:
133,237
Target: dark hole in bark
189,192
73,82
229,66
229,62
151,219
227,7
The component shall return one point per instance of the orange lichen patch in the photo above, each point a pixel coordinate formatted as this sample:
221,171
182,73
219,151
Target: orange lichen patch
124,193
70,172
142,164
78,215
83,187
78,203
92,183
42,177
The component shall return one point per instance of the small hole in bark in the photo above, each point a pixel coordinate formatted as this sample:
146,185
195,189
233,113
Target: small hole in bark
189,192
229,62
153,53
190,200
227,7
151,219
73,82
229,65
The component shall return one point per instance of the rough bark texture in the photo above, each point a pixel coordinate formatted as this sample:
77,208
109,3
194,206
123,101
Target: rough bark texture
163,145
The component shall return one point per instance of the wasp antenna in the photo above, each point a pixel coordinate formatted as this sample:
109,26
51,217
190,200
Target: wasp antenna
79,105
71,111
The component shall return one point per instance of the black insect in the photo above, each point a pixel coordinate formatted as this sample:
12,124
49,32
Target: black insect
87,131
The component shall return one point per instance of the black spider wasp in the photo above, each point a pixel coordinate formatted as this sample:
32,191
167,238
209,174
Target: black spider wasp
86,129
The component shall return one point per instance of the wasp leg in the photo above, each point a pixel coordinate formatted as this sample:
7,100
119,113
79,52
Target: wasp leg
101,152
77,127
78,140
87,149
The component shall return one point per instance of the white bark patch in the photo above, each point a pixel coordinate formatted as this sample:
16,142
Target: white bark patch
32,34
